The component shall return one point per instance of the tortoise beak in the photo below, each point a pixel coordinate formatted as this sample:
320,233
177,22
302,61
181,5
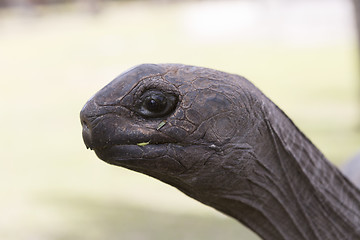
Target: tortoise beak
86,129
86,134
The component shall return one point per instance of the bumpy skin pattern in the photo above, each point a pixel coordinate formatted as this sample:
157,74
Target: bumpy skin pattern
226,145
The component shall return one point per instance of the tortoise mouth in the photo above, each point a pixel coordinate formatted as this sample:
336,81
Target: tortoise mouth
150,159
102,135
121,152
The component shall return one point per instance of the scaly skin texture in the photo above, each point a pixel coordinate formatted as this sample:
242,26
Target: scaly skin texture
227,145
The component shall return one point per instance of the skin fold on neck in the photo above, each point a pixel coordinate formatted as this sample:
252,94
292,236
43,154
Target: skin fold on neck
293,191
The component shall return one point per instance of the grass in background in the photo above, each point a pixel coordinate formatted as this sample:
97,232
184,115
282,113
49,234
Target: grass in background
53,188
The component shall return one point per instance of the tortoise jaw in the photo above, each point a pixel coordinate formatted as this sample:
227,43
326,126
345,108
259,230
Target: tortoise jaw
102,132
152,159
121,152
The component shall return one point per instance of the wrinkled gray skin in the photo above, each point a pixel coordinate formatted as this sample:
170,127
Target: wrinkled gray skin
226,145
352,170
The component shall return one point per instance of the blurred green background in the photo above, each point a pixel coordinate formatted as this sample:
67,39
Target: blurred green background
302,54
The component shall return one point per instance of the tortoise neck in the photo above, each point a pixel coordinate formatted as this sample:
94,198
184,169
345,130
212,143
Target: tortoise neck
293,191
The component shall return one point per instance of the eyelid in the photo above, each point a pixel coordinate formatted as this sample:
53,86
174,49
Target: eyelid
156,83
148,84
171,103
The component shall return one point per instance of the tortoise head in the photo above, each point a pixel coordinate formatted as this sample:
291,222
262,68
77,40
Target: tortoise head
218,139
187,126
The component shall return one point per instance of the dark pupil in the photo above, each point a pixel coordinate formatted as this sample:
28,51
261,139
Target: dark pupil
155,103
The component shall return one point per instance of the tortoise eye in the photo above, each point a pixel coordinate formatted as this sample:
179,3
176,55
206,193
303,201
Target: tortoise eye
154,104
